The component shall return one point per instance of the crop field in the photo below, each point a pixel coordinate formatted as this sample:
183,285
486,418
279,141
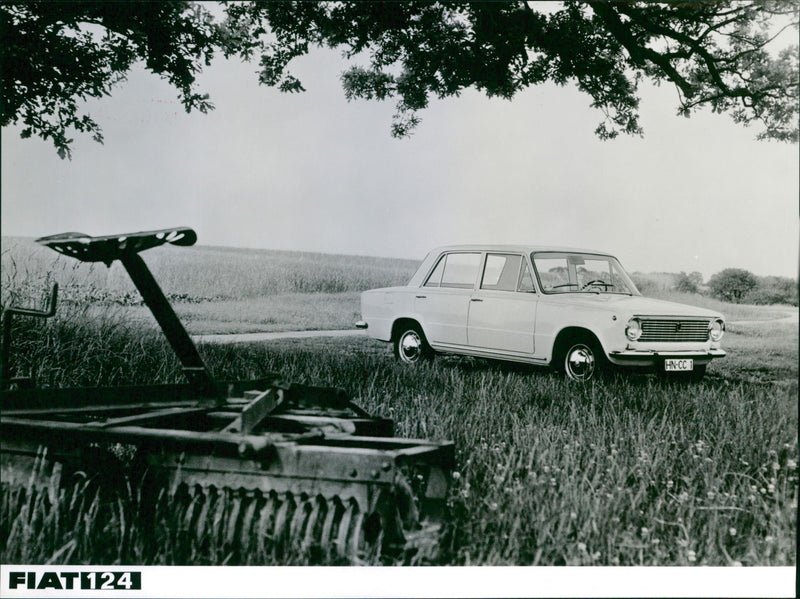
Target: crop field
628,470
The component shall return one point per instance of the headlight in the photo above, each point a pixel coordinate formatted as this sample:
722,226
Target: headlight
634,329
716,329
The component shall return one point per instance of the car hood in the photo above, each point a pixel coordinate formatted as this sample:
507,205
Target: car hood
631,305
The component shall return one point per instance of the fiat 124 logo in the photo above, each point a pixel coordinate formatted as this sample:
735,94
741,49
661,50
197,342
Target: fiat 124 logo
84,581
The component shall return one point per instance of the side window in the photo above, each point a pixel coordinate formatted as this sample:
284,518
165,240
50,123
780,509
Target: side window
460,270
435,280
501,272
525,279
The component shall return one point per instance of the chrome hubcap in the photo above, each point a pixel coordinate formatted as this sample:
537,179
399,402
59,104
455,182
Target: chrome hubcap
580,363
410,346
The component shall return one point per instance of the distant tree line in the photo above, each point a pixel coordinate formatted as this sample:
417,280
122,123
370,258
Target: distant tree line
734,285
740,286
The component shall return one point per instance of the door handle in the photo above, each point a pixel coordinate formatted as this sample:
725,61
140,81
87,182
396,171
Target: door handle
476,299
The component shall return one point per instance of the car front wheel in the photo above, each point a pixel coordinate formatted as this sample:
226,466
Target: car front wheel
410,346
582,361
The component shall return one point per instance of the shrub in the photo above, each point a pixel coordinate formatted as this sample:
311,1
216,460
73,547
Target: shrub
773,290
732,284
688,283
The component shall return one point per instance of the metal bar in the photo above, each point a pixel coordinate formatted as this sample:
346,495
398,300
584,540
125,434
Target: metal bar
255,411
178,338
78,397
366,427
48,312
245,445
92,396
99,410
149,416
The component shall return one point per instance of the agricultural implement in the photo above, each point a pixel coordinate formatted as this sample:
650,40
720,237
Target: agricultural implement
245,463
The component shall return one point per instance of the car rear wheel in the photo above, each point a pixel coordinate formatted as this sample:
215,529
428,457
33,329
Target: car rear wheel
410,346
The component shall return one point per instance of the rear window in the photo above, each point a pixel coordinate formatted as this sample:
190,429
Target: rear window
457,270
502,272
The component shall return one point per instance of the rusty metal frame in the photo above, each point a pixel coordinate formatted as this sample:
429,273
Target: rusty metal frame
257,434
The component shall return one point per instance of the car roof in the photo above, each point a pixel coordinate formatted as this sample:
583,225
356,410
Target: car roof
506,247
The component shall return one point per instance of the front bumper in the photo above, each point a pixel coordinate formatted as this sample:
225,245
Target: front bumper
635,357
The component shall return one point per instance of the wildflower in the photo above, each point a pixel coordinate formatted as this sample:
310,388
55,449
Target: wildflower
582,547
710,494
656,541
771,488
791,464
736,563
769,539
732,531
493,506
691,556
499,479
456,475
669,484
573,516
644,532
596,556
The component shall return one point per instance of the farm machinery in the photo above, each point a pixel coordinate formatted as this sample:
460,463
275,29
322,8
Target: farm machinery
244,463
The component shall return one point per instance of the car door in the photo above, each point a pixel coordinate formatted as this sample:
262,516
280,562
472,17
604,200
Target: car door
443,300
502,310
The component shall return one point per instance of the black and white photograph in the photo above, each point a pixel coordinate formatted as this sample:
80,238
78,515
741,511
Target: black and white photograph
399,299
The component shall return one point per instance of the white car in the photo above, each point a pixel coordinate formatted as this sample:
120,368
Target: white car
575,310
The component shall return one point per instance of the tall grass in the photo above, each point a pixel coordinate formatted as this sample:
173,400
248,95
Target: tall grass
630,470
208,273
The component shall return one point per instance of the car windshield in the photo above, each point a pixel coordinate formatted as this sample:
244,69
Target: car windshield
574,272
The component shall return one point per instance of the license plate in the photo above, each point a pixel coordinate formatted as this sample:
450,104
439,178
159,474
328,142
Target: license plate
678,364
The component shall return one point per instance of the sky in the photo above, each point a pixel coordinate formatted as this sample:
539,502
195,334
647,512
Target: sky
314,172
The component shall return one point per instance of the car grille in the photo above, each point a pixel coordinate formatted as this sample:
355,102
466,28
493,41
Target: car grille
664,330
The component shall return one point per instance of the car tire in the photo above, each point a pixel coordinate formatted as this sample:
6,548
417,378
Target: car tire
582,359
410,345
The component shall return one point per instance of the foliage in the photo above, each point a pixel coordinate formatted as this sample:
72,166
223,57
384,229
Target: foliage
55,54
688,283
716,54
773,290
732,284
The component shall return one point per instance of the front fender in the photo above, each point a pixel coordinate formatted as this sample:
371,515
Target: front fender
553,318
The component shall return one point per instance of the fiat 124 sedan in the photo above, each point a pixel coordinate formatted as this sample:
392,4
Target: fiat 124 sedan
574,310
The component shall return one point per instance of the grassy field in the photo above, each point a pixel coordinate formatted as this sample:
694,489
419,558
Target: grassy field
626,471
214,290
222,290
